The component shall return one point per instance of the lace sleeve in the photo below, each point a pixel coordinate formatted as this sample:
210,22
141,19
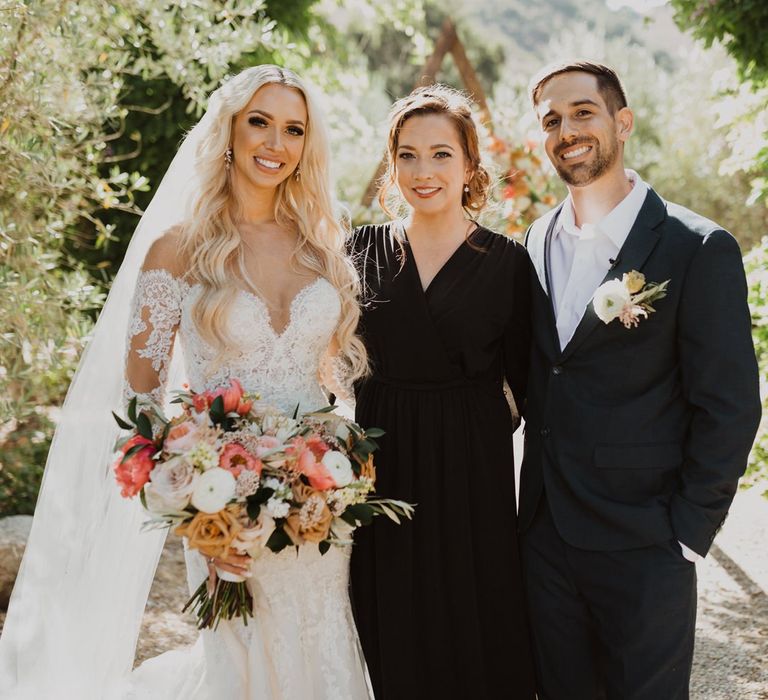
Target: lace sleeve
154,320
335,378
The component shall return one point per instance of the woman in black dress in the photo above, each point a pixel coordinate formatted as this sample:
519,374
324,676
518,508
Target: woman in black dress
439,601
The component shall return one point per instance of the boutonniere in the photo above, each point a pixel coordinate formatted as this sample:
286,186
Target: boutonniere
629,299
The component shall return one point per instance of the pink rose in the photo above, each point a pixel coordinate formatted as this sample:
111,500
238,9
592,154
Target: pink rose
234,458
132,473
182,437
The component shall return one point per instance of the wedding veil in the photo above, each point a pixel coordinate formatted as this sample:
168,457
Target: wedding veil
76,609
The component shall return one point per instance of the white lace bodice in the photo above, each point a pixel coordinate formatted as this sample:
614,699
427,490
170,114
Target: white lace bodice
302,643
281,367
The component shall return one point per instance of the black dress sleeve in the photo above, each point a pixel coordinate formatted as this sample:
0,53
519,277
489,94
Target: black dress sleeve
517,335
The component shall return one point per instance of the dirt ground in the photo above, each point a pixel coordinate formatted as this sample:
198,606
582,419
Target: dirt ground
732,627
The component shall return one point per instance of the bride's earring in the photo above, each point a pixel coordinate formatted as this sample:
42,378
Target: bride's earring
297,173
466,189
228,158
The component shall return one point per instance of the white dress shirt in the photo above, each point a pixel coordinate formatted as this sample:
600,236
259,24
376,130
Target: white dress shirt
580,258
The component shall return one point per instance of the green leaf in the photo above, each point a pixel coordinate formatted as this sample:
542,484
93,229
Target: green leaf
279,540
262,495
124,424
144,426
131,452
361,512
348,518
253,509
374,432
132,409
365,446
217,410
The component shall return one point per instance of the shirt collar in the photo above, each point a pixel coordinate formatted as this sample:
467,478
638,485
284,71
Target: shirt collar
616,224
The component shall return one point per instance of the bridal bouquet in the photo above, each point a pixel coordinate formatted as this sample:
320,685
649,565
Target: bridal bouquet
235,476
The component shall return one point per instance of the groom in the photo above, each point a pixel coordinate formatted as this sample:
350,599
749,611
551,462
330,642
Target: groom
638,426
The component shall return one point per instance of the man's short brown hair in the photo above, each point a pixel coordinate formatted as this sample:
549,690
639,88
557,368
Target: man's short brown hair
608,83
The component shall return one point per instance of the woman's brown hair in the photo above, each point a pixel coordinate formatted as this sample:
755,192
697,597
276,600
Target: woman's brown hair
439,99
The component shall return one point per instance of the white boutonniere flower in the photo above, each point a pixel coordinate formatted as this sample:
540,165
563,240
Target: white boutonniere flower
629,299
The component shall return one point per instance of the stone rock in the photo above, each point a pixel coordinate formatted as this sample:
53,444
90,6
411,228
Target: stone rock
14,531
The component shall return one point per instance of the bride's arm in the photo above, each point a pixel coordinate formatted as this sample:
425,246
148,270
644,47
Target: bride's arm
154,321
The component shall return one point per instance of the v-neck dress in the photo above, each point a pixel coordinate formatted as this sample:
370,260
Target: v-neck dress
439,601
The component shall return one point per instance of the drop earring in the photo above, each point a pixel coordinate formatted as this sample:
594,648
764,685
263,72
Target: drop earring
228,158
297,173
466,189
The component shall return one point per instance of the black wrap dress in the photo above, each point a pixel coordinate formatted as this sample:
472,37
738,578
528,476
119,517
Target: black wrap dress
439,600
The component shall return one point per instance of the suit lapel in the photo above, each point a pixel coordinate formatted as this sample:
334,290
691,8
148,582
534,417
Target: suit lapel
538,248
641,241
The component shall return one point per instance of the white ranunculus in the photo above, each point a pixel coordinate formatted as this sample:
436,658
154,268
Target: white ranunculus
610,298
173,482
339,467
213,490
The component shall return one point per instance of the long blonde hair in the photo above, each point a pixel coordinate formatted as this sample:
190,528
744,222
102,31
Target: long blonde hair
211,243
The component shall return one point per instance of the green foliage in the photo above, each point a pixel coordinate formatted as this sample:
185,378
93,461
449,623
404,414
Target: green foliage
94,98
739,26
741,29
57,84
21,467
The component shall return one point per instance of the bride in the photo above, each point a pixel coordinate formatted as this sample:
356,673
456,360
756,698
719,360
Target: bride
249,281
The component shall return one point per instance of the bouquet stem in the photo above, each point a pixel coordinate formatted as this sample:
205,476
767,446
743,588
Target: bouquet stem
227,600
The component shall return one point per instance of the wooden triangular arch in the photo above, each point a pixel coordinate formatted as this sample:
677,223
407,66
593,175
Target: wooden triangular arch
448,42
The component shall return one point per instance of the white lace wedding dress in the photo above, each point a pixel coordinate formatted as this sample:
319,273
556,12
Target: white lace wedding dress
302,643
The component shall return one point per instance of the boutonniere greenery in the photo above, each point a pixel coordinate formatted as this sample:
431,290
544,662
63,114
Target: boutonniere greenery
629,299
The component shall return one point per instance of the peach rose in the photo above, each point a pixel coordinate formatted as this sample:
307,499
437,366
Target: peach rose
306,462
211,534
133,472
312,523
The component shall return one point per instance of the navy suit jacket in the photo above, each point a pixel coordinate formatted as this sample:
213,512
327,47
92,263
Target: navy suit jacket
640,435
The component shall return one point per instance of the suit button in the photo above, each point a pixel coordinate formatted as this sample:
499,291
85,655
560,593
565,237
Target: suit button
544,432
557,369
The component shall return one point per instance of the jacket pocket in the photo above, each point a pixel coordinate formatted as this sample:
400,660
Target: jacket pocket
667,455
